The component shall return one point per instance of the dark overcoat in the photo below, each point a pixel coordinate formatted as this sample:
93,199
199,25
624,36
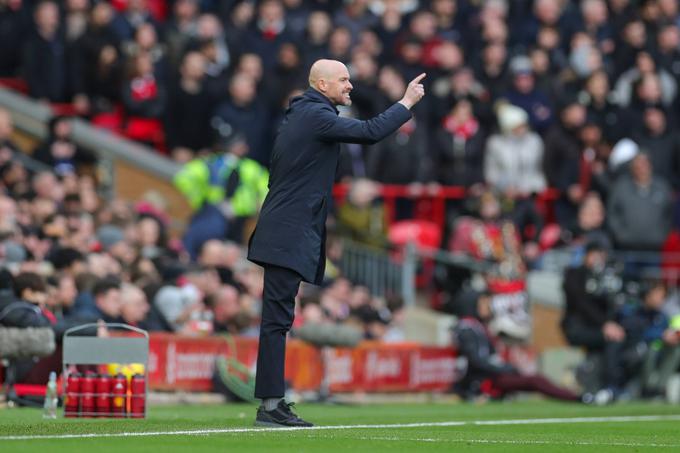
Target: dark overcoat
291,229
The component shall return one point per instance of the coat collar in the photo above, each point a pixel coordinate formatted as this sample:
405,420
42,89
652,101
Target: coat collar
312,94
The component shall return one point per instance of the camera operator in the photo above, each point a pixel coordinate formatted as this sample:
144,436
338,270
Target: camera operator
590,290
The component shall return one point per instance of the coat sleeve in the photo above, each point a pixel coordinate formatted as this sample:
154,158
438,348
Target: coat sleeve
333,128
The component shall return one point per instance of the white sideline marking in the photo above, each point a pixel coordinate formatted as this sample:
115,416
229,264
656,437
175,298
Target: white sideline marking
578,443
202,432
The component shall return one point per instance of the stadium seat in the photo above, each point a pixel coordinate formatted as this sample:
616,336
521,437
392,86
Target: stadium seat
149,130
422,233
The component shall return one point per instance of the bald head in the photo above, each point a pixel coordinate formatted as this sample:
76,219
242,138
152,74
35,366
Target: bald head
331,78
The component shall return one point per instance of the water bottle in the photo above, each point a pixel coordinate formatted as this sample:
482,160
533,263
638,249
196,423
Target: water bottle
50,406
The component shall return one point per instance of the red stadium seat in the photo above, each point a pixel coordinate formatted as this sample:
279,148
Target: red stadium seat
423,233
149,130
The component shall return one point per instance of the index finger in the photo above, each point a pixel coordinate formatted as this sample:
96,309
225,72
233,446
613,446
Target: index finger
419,78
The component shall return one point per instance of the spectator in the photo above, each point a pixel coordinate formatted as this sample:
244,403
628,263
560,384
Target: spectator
13,26
99,64
46,57
563,160
403,157
460,147
136,13
339,44
637,201
245,113
668,45
59,151
297,14
228,316
513,158
363,217
183,307
634,40
492,69
644,65
134,307
75,19
661,144
211,41
144,96
107,301
181,28
145,41
269,32
524,94
589,318
288,74
190,107
318,31
601,108
28,308
355,17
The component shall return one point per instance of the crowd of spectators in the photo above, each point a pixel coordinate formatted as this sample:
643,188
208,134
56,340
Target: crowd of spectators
523,95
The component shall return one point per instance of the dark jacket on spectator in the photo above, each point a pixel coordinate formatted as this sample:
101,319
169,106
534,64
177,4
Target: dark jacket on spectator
13,26
188,119
590,308
251,120
46,68
459,159
403,157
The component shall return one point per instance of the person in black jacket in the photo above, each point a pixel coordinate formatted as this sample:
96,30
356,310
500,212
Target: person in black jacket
485,371
589,317
289,240
45,56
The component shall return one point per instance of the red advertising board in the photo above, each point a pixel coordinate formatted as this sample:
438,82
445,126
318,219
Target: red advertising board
187,363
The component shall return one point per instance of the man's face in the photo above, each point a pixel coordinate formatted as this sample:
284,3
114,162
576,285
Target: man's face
109,303
338,86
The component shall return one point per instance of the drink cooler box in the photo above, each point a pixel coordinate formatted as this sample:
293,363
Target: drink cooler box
131,348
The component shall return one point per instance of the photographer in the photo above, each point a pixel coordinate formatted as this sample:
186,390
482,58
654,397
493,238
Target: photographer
589,289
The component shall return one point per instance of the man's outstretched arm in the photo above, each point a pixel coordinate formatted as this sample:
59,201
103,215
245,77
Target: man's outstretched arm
349,130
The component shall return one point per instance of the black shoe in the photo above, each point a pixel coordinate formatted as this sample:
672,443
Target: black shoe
281,417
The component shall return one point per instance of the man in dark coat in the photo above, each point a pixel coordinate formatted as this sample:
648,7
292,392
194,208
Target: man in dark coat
289,241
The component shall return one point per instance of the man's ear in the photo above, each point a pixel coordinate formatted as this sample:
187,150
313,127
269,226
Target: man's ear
322,85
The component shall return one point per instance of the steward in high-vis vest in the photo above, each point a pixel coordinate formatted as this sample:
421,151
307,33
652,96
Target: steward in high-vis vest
223,189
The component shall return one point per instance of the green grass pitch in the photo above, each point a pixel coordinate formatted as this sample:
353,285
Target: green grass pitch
543,426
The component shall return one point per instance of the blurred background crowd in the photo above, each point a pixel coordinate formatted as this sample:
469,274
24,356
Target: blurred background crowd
574,99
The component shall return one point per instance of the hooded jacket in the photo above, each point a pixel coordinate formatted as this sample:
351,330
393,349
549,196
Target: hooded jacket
291,230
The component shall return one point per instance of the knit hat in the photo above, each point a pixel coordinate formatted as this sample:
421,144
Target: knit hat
109,235
510,117
520,65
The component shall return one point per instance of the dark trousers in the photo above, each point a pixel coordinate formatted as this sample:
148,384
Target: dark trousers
278,309
579,333
508,383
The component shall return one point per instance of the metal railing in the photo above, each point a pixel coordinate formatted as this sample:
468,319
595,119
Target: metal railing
394,272
31,117
376,269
